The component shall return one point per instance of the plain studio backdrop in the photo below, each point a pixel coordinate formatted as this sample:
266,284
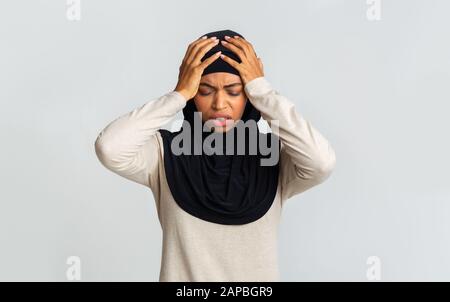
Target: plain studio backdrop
374,82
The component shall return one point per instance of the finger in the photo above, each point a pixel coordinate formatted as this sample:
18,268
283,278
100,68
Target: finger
235,49
235,42
197,47
232,62
244,42
203,50
209,60
245,45
193,43
191,47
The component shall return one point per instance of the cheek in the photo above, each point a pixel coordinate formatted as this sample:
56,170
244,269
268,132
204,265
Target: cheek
239,108
203,105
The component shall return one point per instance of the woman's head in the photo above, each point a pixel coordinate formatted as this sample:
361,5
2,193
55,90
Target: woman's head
221,99
221,91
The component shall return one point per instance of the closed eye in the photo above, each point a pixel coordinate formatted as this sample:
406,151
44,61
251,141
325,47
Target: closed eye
208,93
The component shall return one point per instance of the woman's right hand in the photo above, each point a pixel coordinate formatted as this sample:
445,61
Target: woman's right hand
192,67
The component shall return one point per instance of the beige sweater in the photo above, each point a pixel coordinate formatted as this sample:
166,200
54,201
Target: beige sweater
198,250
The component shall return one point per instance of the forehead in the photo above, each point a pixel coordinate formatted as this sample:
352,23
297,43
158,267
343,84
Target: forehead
220,79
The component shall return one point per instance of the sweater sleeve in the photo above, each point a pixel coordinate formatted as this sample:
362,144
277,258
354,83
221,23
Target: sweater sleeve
306,157
128,145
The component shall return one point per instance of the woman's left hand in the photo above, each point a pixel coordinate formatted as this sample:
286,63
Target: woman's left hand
251,66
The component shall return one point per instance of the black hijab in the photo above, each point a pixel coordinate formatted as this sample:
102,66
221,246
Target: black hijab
226,189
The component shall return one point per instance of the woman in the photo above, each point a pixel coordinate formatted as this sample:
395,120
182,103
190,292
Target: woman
219,212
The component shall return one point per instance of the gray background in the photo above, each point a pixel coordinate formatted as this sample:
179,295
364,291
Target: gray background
377,90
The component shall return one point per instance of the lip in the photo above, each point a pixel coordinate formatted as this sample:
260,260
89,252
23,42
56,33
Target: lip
216,115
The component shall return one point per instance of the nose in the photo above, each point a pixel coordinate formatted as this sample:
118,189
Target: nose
220,101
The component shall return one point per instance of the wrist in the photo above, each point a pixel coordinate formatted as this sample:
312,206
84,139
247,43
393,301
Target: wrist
183,93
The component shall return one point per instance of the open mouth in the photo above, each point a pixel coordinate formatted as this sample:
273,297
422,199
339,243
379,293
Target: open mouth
221,121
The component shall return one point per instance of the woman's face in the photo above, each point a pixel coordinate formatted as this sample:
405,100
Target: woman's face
221,99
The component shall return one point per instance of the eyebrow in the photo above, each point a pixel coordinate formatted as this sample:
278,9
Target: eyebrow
226,86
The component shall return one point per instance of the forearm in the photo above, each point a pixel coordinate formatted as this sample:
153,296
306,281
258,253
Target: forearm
121,144
306,153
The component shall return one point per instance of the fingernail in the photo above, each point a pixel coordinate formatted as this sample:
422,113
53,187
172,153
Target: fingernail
224,42
227,37
204,37
222,56
213,38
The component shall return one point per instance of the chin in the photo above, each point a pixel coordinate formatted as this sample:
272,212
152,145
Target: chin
222,129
